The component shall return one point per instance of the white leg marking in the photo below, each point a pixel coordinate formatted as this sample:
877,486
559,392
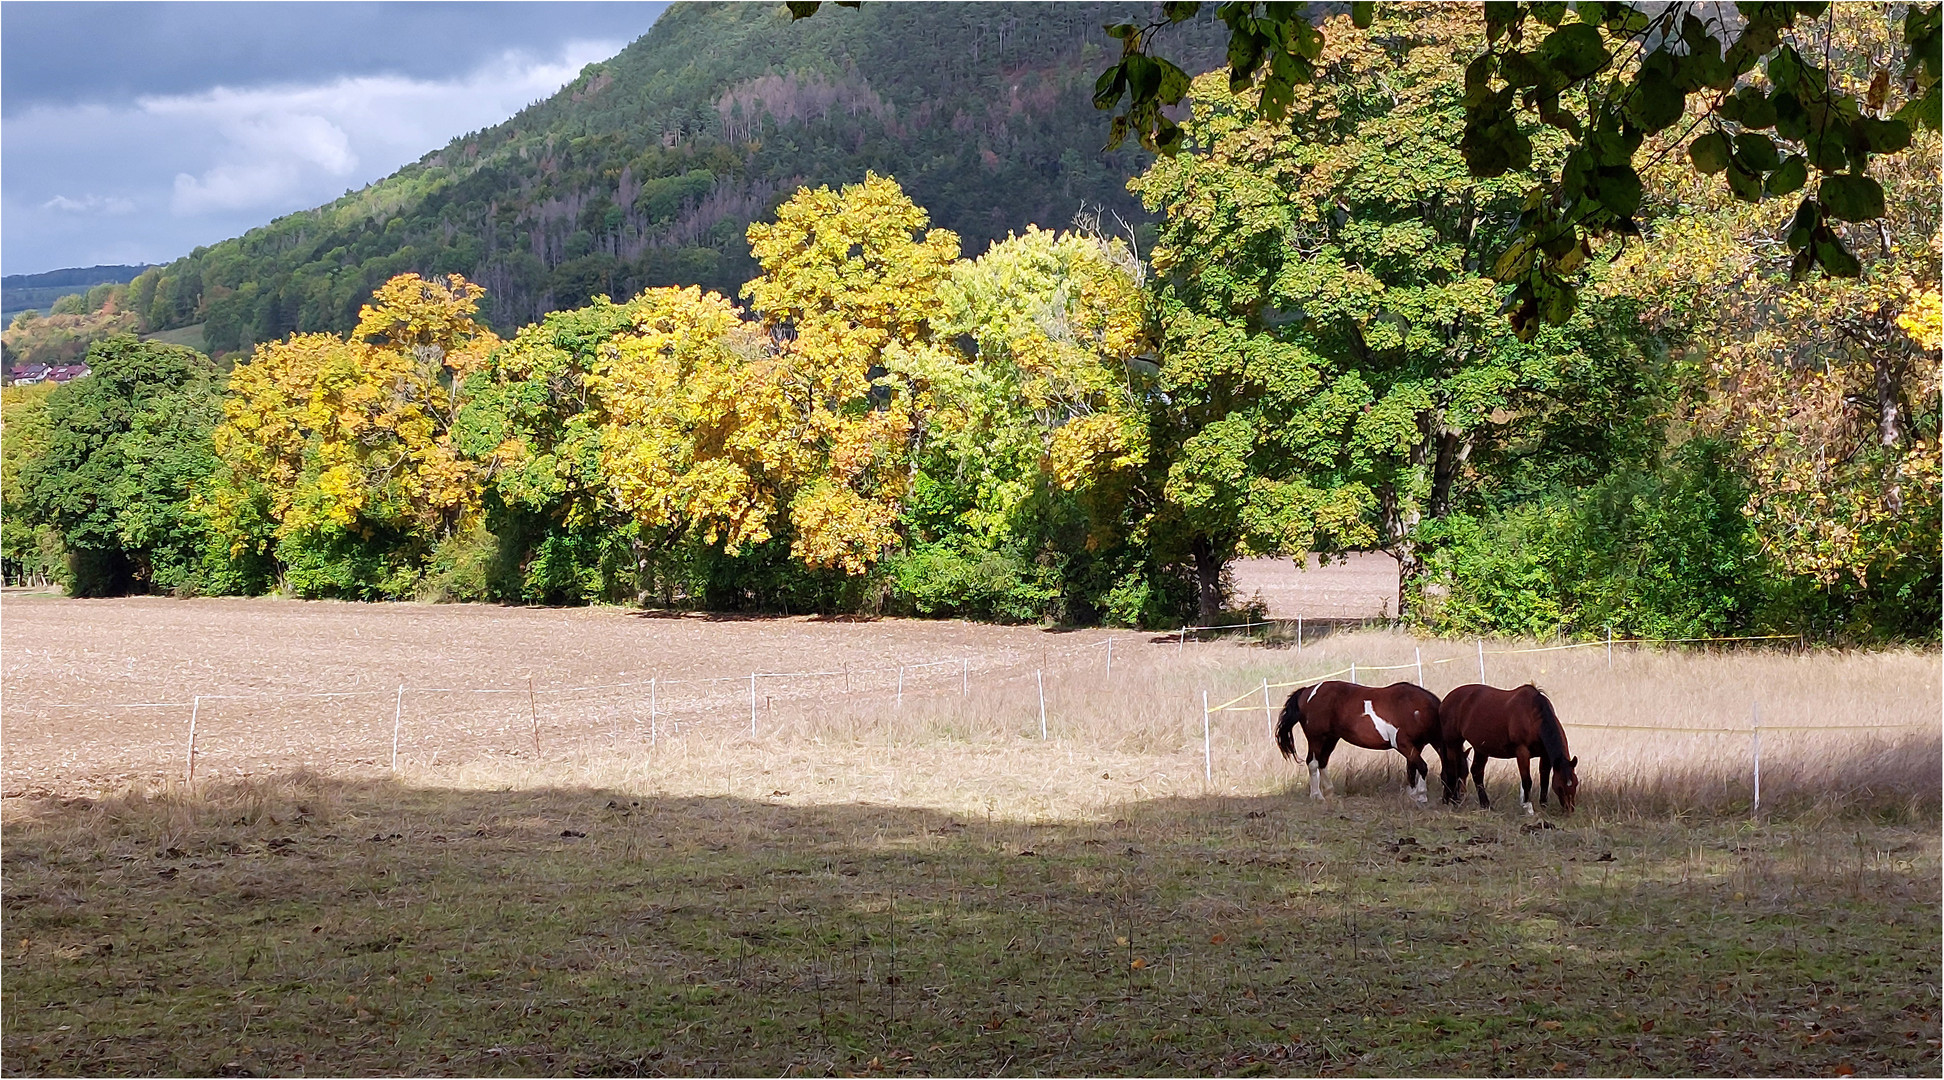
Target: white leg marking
1418,792
1385,729
1527,807
1316,785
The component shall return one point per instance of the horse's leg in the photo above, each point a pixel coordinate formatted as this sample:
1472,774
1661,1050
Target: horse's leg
1478,778
1525,779
1452,766
1545,777
1319,754
1323,753
1415,772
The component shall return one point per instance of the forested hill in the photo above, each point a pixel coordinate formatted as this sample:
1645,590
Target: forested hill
647,169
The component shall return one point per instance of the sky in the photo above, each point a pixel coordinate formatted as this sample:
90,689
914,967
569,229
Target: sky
134,132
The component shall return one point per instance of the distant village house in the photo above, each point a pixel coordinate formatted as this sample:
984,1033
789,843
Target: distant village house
28,374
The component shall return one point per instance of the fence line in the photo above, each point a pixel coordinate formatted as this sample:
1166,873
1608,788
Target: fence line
1247,701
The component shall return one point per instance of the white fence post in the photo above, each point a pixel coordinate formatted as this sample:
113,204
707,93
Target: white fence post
652,703
1353,673
965,677
1419,650
194,709
1268,710
900,686
1110,662
398,714
1757,708
1208,757
1180,640
1481,659
752,704
1040,677
1299,631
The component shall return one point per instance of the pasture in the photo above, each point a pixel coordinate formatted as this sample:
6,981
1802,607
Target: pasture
568,879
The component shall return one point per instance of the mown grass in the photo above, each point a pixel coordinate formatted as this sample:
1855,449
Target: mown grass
307,925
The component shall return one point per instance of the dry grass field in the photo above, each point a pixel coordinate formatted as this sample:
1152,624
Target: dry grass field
918,882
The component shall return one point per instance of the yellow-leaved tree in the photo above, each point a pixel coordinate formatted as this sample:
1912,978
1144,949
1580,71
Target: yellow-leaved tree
693,420
849,294
1056,390
337,460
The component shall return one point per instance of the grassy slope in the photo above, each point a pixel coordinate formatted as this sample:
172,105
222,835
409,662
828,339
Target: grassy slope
315,926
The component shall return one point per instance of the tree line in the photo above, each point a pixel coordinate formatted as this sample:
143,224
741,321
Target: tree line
1309,355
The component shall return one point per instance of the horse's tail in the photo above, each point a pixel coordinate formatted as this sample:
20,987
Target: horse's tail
1551,734
1292,715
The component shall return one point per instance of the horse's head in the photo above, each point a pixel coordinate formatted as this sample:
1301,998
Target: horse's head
1566,783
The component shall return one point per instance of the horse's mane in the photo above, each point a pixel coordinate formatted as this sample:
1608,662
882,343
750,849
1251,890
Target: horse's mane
1551,734
1292,714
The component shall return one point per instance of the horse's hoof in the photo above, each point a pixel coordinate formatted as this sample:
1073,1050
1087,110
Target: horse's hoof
1528,809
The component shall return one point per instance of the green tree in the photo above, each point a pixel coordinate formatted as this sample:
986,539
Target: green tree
125,450
1606,76
1035,443
531,420
1334,354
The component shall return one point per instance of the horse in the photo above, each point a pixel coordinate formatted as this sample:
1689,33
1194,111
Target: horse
1517,723
1401,717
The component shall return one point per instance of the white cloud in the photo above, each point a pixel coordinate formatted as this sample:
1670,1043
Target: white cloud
285,147
89,204
181,170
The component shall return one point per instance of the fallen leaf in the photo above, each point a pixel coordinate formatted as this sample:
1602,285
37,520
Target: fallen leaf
1218,939
1138,963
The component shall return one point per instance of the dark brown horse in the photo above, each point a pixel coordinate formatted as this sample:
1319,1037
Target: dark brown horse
1401,717
1517,724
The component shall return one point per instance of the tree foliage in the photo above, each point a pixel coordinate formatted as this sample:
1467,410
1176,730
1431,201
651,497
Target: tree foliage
1606,76
1334,351
111,463
329,444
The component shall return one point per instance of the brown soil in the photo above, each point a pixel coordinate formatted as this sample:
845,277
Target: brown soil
1363,586
250,660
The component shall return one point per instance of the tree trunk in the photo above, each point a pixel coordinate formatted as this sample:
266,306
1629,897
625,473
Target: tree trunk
1208,579
1453,448
1890,422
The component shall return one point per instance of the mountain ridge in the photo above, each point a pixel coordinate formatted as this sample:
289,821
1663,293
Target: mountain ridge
647,168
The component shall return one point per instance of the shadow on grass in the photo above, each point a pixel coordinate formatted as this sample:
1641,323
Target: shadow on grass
310,925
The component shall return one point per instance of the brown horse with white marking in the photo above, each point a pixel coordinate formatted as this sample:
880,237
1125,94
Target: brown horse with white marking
1401,717
1517,723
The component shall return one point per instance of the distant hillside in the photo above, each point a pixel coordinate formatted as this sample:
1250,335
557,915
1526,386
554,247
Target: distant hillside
648,167
23,292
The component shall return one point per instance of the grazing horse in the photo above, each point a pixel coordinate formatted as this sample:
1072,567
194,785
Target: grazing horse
1509,724
1401,717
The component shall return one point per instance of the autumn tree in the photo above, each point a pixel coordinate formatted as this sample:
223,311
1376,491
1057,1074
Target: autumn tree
338,460
849,293
1036,436
1827,388
696,422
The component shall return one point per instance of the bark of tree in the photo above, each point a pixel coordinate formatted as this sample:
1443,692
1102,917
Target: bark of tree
1208,579
1890,422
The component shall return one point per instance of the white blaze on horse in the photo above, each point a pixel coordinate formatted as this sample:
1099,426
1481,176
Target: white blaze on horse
1402,716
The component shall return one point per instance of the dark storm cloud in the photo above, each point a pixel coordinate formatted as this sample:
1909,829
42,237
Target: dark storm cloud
135,132
86,53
